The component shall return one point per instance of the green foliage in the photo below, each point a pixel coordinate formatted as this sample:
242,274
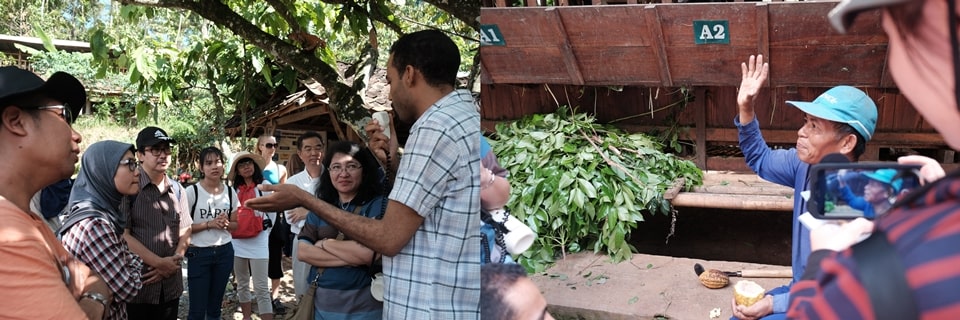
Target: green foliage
584,186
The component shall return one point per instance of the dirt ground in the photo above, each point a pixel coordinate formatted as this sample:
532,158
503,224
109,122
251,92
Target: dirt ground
231,308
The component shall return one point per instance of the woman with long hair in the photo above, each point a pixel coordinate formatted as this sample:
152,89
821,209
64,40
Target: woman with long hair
210,255
251,254
352,181
93,230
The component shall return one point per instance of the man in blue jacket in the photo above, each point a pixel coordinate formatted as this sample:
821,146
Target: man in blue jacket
841,120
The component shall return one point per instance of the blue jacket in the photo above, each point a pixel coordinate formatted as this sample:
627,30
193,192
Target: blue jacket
785,168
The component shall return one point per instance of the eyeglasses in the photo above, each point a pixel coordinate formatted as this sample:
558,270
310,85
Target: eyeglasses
351,168
270,145
244,164
64,113
131,164
157,151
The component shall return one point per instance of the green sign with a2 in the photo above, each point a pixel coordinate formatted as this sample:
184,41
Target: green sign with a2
711,32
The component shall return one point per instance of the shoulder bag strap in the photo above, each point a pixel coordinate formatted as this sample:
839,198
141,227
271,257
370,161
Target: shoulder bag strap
196,198
884,278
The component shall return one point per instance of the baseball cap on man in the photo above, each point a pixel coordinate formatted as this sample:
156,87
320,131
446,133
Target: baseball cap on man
151,136
844,104
61,86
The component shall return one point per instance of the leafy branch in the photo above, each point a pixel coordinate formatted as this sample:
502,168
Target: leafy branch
584,186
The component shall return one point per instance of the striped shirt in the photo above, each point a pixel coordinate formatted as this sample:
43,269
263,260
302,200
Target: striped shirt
155,219
437,274
95,242
926,235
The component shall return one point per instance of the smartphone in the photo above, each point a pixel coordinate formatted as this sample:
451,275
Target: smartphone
858,190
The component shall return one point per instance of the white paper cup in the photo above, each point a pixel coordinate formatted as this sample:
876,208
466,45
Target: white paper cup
520,236
383,118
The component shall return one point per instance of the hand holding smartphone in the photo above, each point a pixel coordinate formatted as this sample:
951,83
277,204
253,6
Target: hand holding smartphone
854,190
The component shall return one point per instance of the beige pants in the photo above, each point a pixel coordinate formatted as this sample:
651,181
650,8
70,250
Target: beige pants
256,269
300,272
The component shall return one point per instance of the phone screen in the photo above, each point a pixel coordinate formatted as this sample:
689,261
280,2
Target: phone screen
854,190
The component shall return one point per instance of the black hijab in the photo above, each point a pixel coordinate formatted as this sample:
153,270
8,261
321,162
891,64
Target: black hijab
95,193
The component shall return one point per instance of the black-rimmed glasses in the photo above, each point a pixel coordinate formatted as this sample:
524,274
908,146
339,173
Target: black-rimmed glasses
64,112
157,151
270,145
131,164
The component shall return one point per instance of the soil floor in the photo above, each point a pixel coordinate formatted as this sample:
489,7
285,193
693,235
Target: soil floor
659,281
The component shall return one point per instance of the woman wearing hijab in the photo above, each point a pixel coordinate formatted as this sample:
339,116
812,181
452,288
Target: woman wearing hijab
210,256
352,182
251,254
93,230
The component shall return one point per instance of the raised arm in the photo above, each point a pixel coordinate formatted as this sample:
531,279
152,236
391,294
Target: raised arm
754,73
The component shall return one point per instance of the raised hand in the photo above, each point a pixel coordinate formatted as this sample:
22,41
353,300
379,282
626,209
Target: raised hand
283,197
755,73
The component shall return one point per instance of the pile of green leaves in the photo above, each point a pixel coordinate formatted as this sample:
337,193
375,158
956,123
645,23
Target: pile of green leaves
581,185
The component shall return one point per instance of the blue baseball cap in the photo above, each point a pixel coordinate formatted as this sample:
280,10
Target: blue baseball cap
886,176
844,104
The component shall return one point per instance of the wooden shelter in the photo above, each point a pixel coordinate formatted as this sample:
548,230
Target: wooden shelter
287,116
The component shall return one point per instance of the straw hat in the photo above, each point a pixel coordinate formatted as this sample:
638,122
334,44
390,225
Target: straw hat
244,155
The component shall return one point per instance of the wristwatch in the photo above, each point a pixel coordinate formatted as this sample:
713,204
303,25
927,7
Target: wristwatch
96,296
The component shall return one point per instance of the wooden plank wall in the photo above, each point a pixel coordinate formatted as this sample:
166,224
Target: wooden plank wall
653,45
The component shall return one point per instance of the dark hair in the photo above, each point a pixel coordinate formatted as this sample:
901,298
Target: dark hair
370,185
431,52
308,135
843,130
257,173
206,152
495,280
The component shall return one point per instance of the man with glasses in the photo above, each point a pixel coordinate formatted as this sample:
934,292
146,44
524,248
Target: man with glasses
158,229
38,278
310,151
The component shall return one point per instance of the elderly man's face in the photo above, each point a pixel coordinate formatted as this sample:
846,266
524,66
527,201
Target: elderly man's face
816,139
527,302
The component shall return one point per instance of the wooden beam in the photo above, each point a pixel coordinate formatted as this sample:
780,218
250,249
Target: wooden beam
728,201
763,32
309,113
569,59
700,112
655,30
337,127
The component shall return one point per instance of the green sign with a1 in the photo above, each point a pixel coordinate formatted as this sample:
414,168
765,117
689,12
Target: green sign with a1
711,32
490,35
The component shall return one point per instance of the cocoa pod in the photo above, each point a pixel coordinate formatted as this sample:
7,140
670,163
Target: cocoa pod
714,279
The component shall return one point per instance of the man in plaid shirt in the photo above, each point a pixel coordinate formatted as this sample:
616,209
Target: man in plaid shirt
430,233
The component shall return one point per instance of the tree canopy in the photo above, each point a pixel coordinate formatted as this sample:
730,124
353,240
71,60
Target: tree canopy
233,54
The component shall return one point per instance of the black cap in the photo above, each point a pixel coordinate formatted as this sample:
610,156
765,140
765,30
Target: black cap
151,136
842,16
61,86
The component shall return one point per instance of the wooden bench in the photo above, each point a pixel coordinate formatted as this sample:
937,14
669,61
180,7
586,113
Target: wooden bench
729,190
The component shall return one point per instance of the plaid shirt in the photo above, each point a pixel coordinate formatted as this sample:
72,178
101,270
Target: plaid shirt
437,274
95,242
925,234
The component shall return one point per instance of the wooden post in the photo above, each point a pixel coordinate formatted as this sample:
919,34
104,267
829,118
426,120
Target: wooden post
700,113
